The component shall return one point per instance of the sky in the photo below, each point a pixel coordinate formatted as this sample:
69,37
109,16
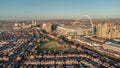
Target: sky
58,9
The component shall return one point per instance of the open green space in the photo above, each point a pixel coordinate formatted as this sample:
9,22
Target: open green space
52,45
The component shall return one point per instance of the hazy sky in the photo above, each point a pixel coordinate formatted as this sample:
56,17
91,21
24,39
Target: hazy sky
58,9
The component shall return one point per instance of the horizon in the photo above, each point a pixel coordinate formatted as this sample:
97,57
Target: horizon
62,9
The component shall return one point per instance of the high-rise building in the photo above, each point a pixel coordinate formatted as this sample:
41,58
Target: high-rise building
34,23
107,30
99,30
48,27
104,30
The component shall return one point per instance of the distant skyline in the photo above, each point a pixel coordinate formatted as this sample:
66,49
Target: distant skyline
58,9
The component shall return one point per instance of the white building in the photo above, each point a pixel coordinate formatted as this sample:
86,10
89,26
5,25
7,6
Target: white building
70,30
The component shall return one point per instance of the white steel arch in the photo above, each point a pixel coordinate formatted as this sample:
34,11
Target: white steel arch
90,19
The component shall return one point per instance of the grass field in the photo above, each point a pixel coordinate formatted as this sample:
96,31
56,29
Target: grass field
52,45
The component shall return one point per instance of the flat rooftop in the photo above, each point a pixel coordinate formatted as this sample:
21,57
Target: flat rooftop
74,27
116,45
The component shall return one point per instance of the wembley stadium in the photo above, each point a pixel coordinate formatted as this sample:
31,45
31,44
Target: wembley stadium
73,30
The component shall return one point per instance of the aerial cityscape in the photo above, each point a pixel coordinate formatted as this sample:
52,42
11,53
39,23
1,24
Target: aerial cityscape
59,34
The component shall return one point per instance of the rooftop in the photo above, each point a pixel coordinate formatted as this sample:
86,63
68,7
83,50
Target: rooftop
73,27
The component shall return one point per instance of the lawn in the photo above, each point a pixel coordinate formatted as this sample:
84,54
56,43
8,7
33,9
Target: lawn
51,45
